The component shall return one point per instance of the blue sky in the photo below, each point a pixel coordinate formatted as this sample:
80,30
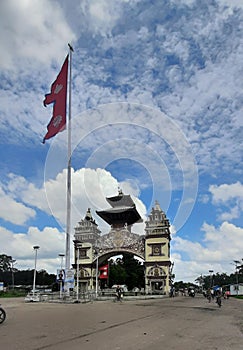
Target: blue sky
157,98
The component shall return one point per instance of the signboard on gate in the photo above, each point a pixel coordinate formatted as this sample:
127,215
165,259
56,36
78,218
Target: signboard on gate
61,275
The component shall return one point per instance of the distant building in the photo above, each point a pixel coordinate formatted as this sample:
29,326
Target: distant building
236,289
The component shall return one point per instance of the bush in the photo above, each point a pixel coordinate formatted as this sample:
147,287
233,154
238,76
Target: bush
13,294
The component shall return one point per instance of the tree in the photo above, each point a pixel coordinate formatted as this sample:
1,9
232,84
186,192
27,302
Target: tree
219,279
117,273
127,270
5,262
134,270
25,278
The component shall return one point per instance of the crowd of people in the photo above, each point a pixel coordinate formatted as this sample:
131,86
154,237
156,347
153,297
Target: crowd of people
212,294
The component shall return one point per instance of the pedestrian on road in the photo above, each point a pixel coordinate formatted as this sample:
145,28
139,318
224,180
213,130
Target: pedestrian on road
209,295
218,298
118,293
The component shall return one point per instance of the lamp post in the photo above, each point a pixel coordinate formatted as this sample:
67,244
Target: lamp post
211,278
96,252
77,245
96,276
237,262
60,280
77,278
36,247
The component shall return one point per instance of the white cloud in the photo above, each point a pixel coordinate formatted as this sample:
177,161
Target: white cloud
138,134
30,28
229,196
89,187
233,3
220,247
104,14
14,211
234,213
226,192
173,230
20,247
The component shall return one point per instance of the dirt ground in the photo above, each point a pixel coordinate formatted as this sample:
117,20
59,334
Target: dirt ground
170,323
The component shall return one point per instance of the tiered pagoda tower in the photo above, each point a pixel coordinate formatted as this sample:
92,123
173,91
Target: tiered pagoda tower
123,212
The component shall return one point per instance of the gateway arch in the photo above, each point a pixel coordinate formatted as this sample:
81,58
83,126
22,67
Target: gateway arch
92,249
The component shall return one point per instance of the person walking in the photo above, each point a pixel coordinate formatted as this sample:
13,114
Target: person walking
118,293
218,298
209,295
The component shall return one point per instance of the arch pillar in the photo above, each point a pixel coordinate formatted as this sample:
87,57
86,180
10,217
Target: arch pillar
157,252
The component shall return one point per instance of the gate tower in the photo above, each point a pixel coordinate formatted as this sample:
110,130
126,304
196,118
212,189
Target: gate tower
157,251
86,235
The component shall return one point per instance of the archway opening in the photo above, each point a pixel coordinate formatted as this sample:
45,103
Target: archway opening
120,268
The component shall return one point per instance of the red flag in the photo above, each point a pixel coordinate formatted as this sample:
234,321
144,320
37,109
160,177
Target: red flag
103,272
58,97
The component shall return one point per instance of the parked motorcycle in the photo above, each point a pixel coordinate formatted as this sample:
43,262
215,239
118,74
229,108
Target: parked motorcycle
2,315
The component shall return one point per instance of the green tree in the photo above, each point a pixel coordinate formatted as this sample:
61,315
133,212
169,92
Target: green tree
25,277
117,273
5,262
134,270
219,279
126,270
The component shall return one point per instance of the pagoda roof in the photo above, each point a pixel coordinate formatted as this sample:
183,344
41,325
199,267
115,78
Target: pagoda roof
121,201
123,210
120,215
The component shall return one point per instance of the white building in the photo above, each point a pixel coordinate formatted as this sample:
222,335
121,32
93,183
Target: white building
236,289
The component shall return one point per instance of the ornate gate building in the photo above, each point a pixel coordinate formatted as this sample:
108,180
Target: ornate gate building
91,249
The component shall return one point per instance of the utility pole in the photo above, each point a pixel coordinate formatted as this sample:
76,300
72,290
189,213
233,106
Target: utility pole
237,262
211,278
36,247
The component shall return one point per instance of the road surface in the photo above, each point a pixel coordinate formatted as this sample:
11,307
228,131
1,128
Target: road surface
170,323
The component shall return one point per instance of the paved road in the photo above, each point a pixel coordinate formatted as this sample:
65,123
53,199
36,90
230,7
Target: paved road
170,323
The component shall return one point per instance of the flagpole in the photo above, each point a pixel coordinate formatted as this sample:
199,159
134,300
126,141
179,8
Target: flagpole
68,218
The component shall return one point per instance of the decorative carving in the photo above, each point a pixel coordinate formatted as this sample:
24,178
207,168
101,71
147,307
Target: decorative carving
122,239
156,271
83,273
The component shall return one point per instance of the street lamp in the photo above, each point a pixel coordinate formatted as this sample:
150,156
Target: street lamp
211,278
96,252
60,280
36,247
77,245
237,262
96,275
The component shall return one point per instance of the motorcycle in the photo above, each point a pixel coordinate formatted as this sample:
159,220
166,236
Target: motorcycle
2,315
191,293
